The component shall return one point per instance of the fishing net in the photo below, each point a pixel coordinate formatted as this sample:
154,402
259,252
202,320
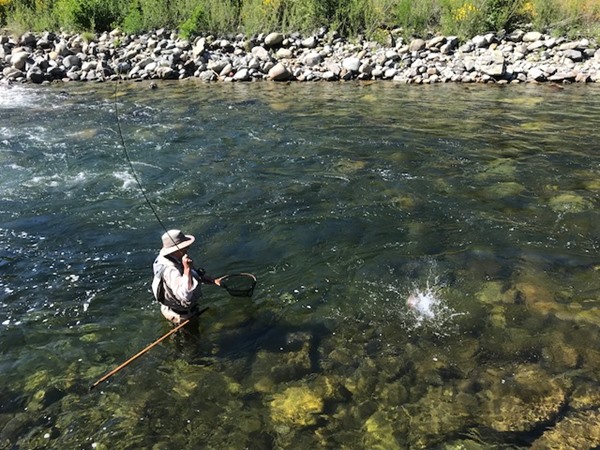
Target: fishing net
239,284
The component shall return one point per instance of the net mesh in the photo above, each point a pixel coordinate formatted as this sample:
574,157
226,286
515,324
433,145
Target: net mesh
239,285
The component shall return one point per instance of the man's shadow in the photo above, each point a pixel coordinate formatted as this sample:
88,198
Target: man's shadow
258,339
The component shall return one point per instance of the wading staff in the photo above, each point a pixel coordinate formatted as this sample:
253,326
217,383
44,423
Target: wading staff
141,352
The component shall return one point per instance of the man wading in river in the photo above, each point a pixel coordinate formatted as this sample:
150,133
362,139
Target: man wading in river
176,284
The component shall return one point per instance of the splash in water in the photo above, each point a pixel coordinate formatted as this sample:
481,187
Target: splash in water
426,304
423,304
429,308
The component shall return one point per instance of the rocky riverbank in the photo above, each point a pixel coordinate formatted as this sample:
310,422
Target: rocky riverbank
492,58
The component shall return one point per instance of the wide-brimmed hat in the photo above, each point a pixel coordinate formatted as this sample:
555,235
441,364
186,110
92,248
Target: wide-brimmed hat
174,240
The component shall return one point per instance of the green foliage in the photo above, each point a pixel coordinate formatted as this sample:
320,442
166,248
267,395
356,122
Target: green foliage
571,18
350,16
460,18
87,15
194,24
3,12
371,18
255,17
219,16
415,18
466,18
501,14
151,14
24,16
546,15
300,15
264,16
88,36
133,22
353,17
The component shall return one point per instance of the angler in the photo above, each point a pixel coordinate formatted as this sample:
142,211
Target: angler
176,284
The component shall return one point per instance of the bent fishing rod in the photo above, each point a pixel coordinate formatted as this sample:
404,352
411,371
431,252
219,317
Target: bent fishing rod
236,284
133,172
144,350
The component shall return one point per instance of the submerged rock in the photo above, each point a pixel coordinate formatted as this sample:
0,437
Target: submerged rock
271,368
559,354
585,396
465,444
577,431
296,406
441,412
44,398
494,292
537,297
570,203
380,432
592,185
503,189
519,399
36,381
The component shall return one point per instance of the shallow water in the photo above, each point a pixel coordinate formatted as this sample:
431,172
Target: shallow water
343,199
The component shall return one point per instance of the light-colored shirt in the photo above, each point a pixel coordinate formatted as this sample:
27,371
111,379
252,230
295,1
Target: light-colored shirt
177,292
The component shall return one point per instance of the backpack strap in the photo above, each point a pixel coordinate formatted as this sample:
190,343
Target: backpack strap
162,287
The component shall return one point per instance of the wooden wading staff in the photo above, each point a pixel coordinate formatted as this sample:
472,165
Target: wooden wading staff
141,352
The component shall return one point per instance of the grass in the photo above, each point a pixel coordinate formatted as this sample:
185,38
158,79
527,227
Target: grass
352,18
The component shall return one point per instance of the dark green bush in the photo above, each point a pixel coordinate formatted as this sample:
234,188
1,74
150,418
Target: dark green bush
133,22
88,15
194,24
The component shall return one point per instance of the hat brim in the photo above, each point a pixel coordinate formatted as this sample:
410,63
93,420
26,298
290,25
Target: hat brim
168,250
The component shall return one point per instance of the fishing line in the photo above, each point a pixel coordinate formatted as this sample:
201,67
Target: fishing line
137,180
237,285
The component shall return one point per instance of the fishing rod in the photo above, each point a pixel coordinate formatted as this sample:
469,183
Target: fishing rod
236,284
133,172
141,352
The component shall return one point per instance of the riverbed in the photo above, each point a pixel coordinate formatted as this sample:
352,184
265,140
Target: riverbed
426,256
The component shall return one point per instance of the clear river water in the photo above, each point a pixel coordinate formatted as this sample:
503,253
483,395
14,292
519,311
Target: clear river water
427,264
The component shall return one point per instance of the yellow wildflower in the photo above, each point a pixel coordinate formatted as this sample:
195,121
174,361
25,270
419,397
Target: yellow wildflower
528,9
465,12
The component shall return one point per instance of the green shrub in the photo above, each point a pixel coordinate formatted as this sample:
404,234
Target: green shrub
417,18
353,17
88,15
257,16
134,19
23,16
219,16
372,18
501,14
194,24
4,5
301,15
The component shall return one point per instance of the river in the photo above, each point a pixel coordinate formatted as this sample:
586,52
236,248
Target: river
427,264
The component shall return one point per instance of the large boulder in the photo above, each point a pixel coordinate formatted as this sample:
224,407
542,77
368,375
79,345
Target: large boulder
273,39
19,59
279,73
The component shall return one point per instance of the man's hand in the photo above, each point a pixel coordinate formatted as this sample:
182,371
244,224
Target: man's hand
187,262
188,265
